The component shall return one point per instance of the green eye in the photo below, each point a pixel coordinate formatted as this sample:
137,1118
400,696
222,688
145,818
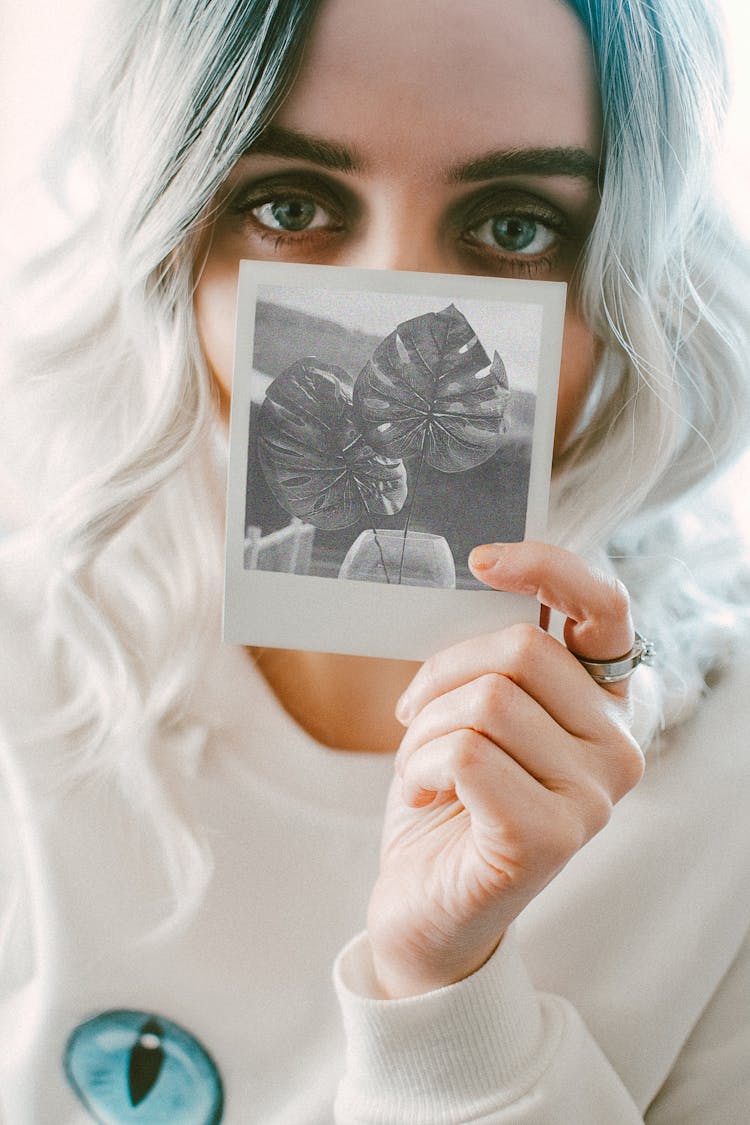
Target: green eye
515,234
291,214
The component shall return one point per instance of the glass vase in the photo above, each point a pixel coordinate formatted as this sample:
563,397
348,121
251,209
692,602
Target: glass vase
382,556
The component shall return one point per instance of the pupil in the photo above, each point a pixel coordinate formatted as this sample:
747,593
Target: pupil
515,233
293,214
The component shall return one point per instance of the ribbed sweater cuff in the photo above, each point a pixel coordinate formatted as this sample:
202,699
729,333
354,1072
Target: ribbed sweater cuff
446,1056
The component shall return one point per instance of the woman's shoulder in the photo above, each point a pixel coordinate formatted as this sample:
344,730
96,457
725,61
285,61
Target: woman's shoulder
701,764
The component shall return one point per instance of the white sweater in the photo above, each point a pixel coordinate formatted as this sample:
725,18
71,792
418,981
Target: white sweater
621,995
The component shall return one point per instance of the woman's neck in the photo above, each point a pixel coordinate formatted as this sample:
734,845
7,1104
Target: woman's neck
345,702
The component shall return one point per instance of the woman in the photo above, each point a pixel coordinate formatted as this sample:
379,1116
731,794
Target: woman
554,932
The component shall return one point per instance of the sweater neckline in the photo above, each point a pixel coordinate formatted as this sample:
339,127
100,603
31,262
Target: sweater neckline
248,721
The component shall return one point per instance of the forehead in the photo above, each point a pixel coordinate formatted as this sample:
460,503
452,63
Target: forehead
438,80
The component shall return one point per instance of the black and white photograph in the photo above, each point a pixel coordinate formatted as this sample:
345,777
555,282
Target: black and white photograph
388,429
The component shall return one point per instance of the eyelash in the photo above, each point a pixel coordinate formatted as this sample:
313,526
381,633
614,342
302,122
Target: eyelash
244,206
520,265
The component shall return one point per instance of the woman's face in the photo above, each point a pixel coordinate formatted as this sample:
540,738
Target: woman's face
423,135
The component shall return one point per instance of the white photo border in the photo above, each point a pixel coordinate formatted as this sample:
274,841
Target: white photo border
276,610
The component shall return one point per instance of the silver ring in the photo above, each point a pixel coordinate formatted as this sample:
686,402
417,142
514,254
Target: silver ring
613,671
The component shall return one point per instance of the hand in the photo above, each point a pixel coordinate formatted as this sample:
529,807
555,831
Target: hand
513,759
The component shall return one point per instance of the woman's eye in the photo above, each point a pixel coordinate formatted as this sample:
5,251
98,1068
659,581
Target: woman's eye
293,214
515,234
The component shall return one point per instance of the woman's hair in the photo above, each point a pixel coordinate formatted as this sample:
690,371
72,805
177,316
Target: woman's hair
665,285
110,419
109,412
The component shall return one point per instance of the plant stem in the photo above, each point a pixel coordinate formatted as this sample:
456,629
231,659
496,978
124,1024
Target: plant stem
371,518
411,506
380,551
374,533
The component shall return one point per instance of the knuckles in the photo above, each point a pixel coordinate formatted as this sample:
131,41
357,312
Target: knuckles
492,694
518,646
621,755
630,764
468,749
596,811
524,643
617,596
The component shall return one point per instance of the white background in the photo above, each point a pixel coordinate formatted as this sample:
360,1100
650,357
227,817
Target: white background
40,42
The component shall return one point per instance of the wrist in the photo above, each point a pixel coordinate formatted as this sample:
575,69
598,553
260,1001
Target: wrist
456,1045
400,978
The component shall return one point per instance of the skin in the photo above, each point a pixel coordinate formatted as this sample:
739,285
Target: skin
513,756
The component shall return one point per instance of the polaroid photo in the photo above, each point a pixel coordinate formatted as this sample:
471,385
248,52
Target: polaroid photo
384,423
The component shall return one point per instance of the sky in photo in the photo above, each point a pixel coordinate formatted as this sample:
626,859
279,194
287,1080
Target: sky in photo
512,329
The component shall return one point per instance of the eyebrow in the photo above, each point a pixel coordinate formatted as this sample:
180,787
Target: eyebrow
574,162
276,141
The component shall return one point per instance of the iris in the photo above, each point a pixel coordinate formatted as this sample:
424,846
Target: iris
514,233
293,214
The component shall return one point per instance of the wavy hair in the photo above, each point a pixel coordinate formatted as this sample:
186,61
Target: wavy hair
664,285
124,508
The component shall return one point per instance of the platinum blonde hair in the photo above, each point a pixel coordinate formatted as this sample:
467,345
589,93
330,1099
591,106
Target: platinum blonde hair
665,286
125,507
124,504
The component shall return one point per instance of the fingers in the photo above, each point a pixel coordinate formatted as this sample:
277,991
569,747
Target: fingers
498,709
471,766
595,604
521,696
520,827
528,656
495,709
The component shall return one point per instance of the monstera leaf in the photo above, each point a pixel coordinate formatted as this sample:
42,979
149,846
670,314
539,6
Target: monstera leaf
429,389
317,463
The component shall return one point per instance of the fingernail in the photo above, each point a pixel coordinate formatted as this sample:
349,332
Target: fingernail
405,708
486,556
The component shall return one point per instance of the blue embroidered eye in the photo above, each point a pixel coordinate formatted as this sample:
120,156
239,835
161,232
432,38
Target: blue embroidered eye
133,1068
